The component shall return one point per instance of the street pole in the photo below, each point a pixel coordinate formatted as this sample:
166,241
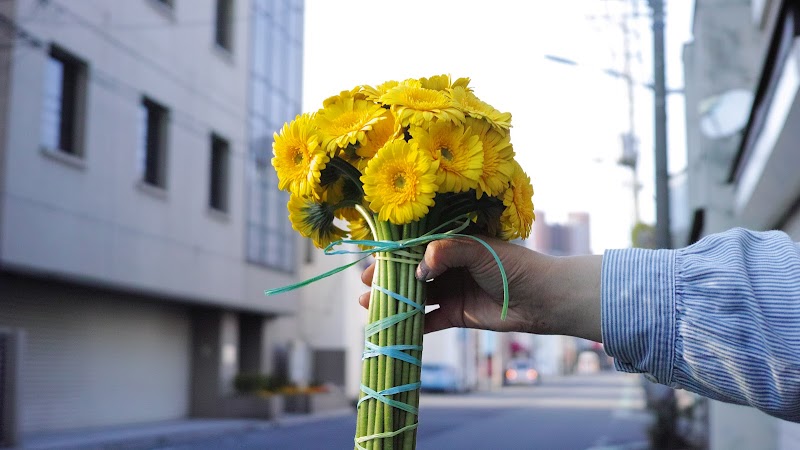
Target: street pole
663,237
630,142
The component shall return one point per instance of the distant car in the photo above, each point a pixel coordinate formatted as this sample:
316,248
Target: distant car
440,378
521,371
588,362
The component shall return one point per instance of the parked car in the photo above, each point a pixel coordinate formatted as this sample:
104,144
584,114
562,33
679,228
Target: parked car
440,378
588,362
521,371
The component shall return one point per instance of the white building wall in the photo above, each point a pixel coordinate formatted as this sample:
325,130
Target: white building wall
99,357
729,51
94,219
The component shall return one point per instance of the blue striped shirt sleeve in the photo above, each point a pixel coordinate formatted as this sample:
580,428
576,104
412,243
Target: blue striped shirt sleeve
720,318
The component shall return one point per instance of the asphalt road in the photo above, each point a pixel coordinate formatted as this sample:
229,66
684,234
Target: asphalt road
603,411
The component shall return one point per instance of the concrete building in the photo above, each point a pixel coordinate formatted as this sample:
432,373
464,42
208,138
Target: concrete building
742,73
561,239
139,217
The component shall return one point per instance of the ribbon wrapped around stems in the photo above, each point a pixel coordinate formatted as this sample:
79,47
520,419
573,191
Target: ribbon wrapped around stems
388,406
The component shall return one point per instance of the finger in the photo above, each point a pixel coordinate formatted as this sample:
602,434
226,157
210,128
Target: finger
445,254
363,299
366,275
436,320
450,284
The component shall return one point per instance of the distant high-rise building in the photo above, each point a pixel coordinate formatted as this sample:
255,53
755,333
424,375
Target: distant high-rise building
140,219
561,239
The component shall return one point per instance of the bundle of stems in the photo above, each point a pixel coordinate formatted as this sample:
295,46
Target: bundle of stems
391,427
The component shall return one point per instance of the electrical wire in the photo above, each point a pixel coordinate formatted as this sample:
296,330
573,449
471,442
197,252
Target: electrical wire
139,56
105,80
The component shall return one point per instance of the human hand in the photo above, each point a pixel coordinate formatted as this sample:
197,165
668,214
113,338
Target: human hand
547,295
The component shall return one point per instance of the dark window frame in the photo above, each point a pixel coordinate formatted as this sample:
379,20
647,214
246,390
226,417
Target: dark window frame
156,134
71,125
219,174
223,24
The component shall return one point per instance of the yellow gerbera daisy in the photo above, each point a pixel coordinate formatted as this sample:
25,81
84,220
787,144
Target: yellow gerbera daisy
374,94
345,119
518,217
357,93
298,159
400,182
314,220
498,158
472,106
443,82
359,229
413,104
378,136
458,150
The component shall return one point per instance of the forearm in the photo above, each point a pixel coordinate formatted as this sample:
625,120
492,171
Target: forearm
719,318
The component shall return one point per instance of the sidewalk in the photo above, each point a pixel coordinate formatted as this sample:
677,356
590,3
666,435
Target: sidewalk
162,434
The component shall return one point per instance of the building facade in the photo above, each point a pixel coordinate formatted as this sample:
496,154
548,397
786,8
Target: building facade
743,154
140,220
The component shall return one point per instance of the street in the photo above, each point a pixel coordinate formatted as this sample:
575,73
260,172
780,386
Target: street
577,412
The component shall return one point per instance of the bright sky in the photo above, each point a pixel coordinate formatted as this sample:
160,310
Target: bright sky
567,120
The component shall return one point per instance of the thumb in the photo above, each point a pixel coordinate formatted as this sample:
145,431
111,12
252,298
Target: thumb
443,255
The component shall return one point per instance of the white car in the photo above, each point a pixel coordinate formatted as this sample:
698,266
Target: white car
521,371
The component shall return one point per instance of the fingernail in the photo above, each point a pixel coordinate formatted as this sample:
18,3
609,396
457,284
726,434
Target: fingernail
422,271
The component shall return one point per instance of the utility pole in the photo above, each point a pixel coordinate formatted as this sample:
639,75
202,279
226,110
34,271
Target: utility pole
663,237
630,142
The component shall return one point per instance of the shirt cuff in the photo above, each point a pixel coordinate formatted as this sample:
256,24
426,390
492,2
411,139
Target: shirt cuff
638,310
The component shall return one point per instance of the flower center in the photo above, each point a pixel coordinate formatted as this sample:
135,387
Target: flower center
348,121
298,156
423,98
399,181
447,154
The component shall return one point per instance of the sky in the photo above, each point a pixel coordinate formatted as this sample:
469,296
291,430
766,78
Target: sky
567,119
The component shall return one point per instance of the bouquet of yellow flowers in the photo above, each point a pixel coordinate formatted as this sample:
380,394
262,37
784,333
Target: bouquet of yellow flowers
391,168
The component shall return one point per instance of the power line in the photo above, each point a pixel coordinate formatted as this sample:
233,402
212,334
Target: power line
19,32
110,83
120,26
140,57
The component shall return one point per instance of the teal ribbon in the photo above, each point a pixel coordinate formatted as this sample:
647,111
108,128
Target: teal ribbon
401,246
382,396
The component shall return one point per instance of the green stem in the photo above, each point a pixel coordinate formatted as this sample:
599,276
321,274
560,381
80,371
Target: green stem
400,366
417,293
370,220
389,338
362,425
411,373
378,302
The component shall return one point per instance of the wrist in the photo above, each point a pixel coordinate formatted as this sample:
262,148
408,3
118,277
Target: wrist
576,296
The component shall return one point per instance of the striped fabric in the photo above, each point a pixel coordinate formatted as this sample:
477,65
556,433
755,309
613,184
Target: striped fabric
720,318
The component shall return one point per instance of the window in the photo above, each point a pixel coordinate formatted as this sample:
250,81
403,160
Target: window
153,143
64,102
218,179
271,242
223,35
